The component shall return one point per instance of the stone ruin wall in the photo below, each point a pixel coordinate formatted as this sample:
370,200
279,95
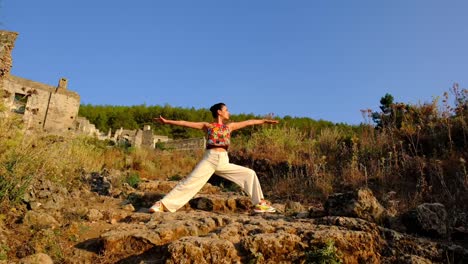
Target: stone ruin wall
138,137
147,137
85,127
43,107
54,109
186,144
46,108
7,43
62,110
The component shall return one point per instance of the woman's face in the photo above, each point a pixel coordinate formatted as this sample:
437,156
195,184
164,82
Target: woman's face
224,113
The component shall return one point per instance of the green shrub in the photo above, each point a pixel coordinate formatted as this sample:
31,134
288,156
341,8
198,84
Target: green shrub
176,177
160,146
324,254
4,252
133,179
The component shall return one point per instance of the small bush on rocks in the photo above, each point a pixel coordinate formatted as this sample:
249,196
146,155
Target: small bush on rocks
325,254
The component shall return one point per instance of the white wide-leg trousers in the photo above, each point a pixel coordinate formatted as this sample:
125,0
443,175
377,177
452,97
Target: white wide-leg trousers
213,162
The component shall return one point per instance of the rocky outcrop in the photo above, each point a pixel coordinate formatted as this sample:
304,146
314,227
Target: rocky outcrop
204,237
100,183
219,227
202,250
427,219
361,203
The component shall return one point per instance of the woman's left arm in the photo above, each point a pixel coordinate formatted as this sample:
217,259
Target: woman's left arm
242,124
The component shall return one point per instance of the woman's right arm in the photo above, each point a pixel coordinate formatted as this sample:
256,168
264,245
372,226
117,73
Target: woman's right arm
196,125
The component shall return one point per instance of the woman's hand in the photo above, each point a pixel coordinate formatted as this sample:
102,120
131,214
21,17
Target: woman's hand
270,121
160,119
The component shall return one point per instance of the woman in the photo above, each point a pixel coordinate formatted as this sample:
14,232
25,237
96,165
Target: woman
215,160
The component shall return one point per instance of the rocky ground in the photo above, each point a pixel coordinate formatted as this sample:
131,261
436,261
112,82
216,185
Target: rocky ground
97,223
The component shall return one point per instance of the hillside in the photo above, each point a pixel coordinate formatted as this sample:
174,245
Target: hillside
99,223
396,192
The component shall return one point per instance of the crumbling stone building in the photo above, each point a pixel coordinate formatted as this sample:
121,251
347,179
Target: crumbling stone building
146,138
43,107
138,138
7,43
54,109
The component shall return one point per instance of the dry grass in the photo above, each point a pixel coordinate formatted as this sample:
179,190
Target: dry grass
26,158
421,154
161,164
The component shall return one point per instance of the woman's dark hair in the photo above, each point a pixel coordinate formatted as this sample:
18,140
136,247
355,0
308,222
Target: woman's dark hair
214,109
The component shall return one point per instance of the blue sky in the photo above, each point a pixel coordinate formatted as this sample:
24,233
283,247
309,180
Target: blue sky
318,59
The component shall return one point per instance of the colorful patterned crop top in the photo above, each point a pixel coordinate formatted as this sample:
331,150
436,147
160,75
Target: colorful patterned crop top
218,136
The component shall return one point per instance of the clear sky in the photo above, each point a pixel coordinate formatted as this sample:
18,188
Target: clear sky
323,59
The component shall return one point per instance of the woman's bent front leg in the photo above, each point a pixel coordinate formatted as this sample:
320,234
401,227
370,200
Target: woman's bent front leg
244,177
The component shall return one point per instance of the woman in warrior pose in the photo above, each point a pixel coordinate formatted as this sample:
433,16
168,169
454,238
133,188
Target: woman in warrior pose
215,160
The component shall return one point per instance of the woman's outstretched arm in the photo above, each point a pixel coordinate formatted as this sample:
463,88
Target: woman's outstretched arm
242,124
196,125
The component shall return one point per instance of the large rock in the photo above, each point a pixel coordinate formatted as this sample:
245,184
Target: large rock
202,250
273,247
206,237
128,240
164,228
399,244
47,195
358,240
39,220
39,258
218,203
361,204
428,219
100,183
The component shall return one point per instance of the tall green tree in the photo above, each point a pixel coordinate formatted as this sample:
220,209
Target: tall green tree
391,114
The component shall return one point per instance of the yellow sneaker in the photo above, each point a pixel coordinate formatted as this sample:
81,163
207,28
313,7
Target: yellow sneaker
157,207
264,207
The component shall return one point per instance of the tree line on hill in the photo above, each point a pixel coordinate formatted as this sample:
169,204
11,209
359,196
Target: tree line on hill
107,117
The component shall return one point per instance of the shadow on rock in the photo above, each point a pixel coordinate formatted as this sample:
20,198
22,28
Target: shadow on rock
143,199
94,245
156,255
